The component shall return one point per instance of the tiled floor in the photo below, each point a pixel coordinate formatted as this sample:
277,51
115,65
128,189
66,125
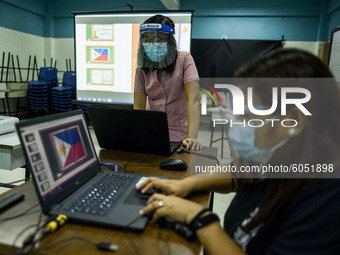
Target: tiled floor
221,201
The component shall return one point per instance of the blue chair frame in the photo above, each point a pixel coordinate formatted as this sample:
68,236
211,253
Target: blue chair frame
39,95
63,95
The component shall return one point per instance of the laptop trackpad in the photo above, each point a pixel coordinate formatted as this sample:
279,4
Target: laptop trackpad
136,198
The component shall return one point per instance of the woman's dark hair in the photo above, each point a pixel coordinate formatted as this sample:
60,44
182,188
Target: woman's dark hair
165,20
318,143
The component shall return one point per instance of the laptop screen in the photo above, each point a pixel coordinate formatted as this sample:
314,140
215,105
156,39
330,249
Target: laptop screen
58,150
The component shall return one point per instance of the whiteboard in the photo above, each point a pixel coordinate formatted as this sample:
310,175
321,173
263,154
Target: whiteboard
334,54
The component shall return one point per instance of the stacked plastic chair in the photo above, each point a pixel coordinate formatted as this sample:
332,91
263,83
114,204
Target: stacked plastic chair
63,95
82,107
38,92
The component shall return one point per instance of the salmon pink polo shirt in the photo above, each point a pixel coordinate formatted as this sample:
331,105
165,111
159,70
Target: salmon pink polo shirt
168,94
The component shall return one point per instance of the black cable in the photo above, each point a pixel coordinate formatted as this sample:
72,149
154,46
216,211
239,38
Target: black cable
17,237
134,244
51,225
138,6
67,240
203,155
126,229
181,150
101,246
19,215
10,183
164,240
131,7
139,164
9,186
30,240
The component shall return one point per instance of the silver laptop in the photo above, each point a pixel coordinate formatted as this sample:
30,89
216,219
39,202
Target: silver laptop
132,130
68,178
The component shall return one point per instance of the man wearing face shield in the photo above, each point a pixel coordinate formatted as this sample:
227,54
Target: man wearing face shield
167,80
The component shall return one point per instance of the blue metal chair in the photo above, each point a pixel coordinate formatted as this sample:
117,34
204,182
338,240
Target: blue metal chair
62,99
69,79
63,95
38,93
82,107
47,76
37,96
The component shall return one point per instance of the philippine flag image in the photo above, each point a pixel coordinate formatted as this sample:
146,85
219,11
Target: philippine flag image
69,146
100,54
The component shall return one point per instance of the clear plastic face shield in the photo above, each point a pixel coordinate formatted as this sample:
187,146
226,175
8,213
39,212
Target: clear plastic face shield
157,46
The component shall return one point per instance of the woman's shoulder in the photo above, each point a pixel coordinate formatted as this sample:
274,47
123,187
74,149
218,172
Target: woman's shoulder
184,55
184,59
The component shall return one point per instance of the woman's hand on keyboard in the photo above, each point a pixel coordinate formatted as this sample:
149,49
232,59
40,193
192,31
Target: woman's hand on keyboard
181,188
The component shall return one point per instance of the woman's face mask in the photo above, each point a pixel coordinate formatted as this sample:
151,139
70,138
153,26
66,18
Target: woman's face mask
156,53
156,49
243,141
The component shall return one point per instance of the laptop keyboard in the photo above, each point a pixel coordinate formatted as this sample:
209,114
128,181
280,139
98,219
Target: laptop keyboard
99,198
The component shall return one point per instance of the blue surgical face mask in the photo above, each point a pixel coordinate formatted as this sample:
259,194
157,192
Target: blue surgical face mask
243,141
156,53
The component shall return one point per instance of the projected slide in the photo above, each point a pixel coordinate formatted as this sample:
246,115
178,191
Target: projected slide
100,76
107,64
106,51
99,54
99,32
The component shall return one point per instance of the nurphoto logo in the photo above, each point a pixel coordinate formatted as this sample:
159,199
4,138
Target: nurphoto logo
237,106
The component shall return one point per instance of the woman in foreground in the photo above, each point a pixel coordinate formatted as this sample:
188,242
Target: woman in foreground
278,213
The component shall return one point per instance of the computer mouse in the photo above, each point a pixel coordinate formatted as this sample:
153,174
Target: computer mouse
175,164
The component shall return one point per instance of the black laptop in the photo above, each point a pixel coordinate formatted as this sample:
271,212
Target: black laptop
68,178
132,130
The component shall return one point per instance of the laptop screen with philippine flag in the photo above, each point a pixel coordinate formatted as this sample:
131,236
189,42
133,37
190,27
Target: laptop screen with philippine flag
59,152
68,178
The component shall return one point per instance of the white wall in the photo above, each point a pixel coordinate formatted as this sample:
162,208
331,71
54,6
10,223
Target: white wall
62,49
24,45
